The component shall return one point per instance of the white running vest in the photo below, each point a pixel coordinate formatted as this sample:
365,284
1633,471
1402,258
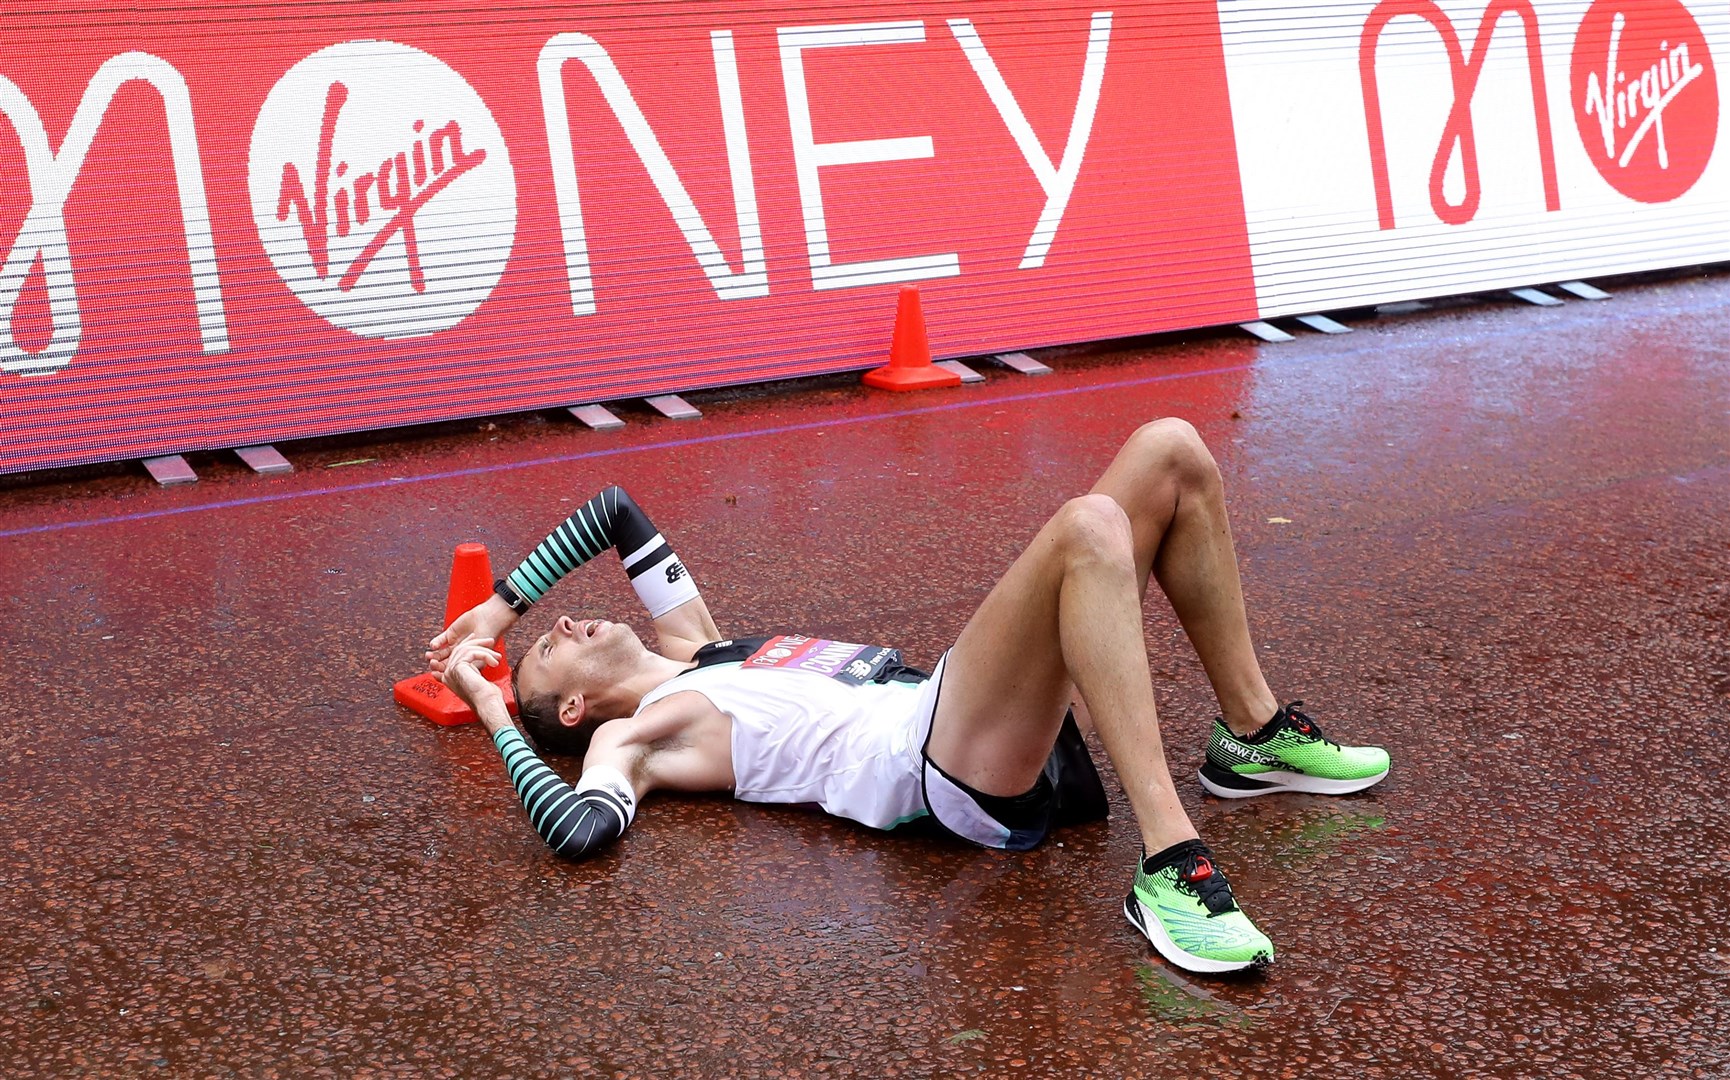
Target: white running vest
804,737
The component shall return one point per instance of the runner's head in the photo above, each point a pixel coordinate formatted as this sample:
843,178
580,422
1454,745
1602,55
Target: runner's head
570,681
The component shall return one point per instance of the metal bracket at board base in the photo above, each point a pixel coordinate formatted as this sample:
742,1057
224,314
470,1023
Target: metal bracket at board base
1324,325
596,417
968,375
265,459
169,470
1583,290
673,407
1265,330
1535,296
1021,362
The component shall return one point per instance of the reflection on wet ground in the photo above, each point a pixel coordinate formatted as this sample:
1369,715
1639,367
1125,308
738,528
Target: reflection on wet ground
1493,539
1177,1000
1312,836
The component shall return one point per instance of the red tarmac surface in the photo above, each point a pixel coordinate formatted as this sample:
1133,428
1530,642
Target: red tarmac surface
1495,539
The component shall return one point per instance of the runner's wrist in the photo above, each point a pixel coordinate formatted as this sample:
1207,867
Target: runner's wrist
493,714
506,597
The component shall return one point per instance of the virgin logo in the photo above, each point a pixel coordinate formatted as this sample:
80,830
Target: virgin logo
1645,96
399,191
382,189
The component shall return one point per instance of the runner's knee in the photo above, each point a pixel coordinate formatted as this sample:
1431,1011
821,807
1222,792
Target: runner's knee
1094,528
1171,447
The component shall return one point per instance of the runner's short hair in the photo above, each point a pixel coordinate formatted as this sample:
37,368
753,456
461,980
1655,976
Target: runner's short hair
540,718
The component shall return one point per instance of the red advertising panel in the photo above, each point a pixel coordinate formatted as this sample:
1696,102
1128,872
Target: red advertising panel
225,225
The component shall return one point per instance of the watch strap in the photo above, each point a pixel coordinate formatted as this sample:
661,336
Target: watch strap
509,595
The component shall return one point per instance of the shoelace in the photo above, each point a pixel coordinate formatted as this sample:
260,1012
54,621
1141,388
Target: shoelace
1302,724
1196,873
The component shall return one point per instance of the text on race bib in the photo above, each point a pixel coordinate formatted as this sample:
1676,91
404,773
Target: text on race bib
840,660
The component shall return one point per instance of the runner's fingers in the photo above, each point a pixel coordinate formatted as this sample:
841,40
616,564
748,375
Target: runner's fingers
471,653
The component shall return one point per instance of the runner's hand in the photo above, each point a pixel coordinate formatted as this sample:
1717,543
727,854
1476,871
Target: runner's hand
461,671
488,619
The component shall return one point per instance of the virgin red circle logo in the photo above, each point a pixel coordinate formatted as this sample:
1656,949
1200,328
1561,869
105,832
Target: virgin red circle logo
382,189
1645,96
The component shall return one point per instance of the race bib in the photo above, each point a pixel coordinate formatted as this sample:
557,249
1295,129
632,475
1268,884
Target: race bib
840,660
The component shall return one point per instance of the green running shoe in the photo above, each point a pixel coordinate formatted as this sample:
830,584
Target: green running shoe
1184,905
1289,753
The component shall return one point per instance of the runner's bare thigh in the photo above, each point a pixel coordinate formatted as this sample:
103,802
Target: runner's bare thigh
1005,687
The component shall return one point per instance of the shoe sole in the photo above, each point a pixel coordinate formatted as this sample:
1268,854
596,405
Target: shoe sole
1229,785
1144,921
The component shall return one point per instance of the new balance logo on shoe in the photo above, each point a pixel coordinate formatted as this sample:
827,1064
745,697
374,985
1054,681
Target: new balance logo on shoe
1251,755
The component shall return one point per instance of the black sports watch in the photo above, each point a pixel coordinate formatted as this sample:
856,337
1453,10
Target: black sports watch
516,603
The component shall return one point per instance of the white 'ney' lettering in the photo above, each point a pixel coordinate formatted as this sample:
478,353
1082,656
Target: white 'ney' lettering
752,279
1058,182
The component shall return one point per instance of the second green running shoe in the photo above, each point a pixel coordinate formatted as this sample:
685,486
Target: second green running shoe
1289,753
1184,906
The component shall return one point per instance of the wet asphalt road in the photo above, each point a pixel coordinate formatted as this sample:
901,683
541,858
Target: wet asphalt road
1495,539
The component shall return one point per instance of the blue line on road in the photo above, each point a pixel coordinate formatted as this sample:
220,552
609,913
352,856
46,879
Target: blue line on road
613,451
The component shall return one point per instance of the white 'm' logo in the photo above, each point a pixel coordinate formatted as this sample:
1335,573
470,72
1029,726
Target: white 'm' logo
382,189
51,174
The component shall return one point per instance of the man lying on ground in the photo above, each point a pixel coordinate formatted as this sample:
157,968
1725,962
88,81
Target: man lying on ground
984,746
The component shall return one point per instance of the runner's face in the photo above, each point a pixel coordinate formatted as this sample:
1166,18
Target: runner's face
578,656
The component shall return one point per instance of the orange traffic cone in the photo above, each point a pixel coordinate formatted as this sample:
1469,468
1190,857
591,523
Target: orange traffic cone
910,366
471,583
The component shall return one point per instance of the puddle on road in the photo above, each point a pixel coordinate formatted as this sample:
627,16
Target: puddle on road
1173,999
1300,842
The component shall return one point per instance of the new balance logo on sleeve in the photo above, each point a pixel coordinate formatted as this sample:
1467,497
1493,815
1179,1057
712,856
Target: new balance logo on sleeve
620,793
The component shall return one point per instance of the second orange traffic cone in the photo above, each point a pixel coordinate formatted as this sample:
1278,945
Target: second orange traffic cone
471,583
910,366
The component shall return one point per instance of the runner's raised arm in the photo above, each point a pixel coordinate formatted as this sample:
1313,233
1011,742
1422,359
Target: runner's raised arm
612,519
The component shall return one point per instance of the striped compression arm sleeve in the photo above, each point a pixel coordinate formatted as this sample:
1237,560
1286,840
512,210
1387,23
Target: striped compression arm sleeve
572,820
611,519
